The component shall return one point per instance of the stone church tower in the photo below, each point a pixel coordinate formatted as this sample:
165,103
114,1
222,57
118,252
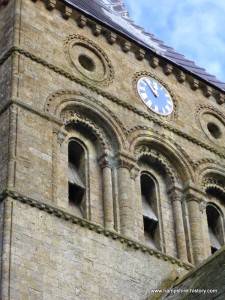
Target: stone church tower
112,155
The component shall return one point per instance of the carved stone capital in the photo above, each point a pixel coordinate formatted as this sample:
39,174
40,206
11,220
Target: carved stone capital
105,161
125,161
202,206
194,194
134,172
61,135
175,194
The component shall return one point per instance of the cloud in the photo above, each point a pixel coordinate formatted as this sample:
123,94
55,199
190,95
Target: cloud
193,28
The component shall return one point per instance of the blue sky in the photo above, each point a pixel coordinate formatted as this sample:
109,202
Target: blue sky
195,29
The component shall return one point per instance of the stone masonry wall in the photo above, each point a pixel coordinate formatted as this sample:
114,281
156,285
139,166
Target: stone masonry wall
4,121
54,259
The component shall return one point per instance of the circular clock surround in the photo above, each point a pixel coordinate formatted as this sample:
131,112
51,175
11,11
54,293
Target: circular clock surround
155,96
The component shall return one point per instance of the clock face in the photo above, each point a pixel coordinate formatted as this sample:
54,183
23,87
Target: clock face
155,96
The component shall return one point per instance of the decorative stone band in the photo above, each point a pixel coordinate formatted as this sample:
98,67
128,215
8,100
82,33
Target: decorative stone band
50,209
110,97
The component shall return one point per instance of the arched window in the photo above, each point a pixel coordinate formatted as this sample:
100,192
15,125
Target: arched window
76,178
149,208
214,227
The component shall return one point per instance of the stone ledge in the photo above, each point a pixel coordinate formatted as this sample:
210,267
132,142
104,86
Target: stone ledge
59,213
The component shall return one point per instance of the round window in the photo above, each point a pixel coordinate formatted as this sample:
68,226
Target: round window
86,62
214,130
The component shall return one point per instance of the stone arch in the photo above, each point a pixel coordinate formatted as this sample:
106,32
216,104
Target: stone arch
175,170
212,182
173,157
90,110
211,177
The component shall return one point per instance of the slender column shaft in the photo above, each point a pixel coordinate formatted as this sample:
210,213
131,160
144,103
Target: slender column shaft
179,229
196,232
108,197
125,203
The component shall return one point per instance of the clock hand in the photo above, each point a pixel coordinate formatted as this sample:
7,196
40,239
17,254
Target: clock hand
152,89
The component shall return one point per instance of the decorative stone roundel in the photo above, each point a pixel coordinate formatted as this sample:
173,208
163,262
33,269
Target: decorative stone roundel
90,61
212,123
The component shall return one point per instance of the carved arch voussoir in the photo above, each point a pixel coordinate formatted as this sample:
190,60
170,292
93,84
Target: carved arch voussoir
145,151
71,117
142,135
209,169
212,183
69,100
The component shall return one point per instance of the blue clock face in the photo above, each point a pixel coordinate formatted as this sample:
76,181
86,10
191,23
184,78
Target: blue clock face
155,96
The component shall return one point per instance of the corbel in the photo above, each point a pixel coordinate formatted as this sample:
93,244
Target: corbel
50,4
181,77
194,84
140,54
111,38
81,21
67,12
154,62
208,91
221,98
97,30
126,46
168,69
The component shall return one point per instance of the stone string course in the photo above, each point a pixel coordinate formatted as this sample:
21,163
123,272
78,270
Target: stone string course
109,96
91,226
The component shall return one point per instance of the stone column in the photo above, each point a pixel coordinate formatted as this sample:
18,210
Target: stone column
193,198
59,136
125,163
12,147
176,199
107,192
136,204
205,229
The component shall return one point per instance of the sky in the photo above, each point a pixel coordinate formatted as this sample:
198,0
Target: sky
194,28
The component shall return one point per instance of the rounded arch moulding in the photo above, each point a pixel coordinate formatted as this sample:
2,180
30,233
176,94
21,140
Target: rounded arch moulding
69,106
212,179
172,157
